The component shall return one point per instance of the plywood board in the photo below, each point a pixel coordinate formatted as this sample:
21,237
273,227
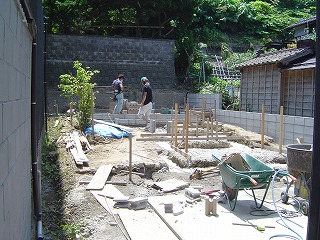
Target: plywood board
194,224
145,225
106,195
75,155
100,177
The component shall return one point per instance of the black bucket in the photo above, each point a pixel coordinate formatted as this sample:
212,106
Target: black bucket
299,157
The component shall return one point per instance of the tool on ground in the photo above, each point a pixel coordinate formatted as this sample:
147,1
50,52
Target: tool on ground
258,227
198,173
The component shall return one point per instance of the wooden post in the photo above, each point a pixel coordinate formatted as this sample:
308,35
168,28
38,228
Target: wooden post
176,125
215,110
217,129
92,112
187,127
130,156
207,129
281,130
203,110
197,126
71,113
262,127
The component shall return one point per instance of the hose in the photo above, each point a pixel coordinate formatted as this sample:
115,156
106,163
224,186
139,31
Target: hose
298,237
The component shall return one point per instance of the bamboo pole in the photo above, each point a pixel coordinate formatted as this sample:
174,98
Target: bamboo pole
281,130
187,128
262,127
130,156
176,125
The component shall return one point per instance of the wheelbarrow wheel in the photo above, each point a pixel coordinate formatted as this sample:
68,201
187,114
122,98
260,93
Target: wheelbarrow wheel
230,192
305,207
284,197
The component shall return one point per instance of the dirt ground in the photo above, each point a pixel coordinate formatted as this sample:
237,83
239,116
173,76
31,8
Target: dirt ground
72,212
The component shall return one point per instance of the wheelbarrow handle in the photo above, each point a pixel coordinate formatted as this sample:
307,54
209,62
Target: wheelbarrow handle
254,182
293,178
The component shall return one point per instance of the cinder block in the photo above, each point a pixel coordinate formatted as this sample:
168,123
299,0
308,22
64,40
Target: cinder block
192,193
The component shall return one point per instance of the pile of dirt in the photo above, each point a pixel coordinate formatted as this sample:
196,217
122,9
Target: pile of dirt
70,211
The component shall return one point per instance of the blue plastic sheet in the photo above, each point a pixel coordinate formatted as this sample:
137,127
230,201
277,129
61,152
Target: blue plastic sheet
107,131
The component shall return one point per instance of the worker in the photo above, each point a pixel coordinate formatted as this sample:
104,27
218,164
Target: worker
146,102
117,87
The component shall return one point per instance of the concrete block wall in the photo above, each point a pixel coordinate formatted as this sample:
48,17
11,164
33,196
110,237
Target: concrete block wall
211,100
15,89
133,57
293,126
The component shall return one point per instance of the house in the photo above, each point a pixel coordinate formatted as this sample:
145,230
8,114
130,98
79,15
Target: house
280,78
285,77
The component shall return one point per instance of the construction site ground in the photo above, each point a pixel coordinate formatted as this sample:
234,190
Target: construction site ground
70,211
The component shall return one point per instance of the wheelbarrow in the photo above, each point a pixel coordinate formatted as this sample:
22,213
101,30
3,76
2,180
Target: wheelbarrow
240,171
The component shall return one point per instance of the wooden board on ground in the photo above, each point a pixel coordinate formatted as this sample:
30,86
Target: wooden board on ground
75,155
105,196
193,223
144,225
114,125
100,177
81,154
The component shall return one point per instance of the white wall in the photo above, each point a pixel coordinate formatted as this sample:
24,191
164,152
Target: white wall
293,126
15,148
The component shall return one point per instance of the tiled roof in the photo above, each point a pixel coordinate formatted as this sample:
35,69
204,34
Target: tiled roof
302,22
281,56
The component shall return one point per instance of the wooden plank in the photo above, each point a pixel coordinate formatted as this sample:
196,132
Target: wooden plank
193,138
179,134
100,177
105,196
114,125
81,154
75,155
144,224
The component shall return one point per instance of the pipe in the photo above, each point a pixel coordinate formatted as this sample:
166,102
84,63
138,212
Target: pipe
36,174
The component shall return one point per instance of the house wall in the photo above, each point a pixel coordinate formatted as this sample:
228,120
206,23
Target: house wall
293,126
299,92
15,145
260,85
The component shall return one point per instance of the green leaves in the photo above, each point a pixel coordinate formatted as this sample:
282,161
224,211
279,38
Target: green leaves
81,87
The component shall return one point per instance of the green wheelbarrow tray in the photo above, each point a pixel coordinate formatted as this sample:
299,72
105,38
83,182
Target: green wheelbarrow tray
239,171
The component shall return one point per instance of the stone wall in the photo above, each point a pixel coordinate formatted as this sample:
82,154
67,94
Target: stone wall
133,57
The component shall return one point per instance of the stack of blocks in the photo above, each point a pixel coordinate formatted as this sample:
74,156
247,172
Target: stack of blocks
133,107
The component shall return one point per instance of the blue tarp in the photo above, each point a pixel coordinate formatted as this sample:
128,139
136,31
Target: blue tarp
107,131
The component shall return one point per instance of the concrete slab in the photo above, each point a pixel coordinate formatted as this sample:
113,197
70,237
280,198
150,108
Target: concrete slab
194,224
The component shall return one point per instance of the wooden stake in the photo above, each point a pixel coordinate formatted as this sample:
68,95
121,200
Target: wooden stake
71,113
92,112
176,108
207,128
262,127
130,156
215,110
281,130
187,128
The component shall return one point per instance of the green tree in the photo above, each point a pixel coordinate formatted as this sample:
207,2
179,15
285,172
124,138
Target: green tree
81,87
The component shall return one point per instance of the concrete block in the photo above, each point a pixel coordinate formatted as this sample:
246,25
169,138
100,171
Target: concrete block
168,207
138,203
309,122
299,120
192,193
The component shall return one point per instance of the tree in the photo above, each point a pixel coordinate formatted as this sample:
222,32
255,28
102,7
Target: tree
81,87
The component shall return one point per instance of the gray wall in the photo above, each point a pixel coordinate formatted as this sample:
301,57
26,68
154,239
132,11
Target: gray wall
15,160
133,57
293,126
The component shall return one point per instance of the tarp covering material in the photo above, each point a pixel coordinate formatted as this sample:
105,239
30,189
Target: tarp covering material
107,131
